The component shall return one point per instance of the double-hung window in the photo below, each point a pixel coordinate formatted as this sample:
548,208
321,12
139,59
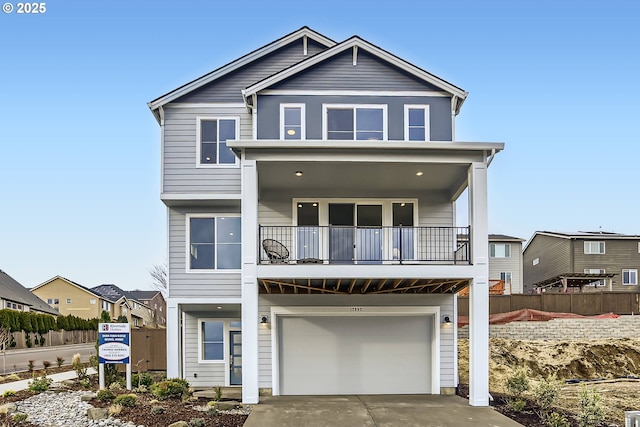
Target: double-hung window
630,277
214,242
416,123
594,247
361,123
500,250
292,121
212,136
212,340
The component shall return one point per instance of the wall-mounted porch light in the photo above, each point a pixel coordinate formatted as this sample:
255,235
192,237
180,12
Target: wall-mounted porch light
264,321
446,320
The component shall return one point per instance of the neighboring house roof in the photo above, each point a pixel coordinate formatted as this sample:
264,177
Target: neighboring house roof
115,293
504,238
586,235
382,54
143,295
10,289
71,282
238,63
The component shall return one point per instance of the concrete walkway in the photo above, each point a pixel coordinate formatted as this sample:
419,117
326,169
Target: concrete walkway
373,411
24,384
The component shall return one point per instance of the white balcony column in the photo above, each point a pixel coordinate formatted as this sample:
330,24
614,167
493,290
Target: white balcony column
173,339
479,289
249,282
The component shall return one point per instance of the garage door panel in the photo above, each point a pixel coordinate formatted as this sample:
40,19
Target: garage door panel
355,355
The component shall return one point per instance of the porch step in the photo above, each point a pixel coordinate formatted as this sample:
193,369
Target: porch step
228,393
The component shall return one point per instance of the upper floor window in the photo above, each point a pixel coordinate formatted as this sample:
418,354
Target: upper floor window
68,300
214,242
212,136
355,122
630,277
416,123
292,121
594,247
500,250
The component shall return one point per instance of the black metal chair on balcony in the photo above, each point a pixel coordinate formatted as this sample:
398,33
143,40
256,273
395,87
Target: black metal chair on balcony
276,251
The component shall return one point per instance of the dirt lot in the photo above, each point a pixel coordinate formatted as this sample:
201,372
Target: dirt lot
609,360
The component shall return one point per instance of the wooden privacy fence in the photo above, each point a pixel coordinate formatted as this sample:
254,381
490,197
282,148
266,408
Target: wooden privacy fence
148,350
586,304
53,338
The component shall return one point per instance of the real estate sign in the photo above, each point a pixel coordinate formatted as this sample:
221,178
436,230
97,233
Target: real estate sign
113,343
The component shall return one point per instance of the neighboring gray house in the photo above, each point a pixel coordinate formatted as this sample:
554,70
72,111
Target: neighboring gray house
505,262
14,296
582,260
310,189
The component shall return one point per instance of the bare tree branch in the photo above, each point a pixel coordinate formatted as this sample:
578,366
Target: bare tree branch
158,274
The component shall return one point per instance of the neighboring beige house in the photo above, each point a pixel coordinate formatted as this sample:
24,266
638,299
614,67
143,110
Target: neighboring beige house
137,312
505,262
69,297
14,296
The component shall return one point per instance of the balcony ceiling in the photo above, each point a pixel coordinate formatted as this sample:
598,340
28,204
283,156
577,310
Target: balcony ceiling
320,178
348,286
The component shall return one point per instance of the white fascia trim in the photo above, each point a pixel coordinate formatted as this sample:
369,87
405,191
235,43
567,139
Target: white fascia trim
361,144
200,196
199,120
432,311
356,41
383,107
312,92
427,120
181,105
265,50
303,122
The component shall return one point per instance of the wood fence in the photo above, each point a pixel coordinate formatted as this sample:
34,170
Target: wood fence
586,304
53,338
148,350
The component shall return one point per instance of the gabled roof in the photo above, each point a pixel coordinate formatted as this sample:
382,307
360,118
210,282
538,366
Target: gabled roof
357,42
504,238
584,235
234,65
71,282
11,289
143,295
109,291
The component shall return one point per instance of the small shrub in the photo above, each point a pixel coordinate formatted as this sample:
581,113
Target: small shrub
142,379
20,417
85,382
59,361
12,377
556,420
93,362
116,386
154,402
31,365
175,387
114,410
196,422
126,400
8,393
157,410
592,411
39,384
78,366
105,395
28,342
517,385
211,411
545,395
46,364
141,389
218,393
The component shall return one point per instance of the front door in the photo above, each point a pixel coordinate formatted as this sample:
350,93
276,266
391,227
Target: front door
235,364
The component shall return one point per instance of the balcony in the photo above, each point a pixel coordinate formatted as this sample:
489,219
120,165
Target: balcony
364,245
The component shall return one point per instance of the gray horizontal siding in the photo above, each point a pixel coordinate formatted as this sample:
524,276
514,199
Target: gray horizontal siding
447,349
208,374
554,256
370,73
179,158
194,285
439,112
227,88
619,255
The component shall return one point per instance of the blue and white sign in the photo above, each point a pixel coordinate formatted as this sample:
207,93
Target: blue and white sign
113,343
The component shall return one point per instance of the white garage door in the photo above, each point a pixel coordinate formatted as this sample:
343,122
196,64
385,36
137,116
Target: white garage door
355,355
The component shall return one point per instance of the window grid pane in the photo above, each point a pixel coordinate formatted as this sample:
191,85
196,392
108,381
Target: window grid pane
212,340
213,141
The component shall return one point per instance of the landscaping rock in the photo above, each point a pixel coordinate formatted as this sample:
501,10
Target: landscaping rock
226,405
179,424
97,413
87,397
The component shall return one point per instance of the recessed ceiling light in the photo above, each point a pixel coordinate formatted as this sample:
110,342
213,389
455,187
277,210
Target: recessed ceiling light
300,205
219,308
298,173
315,204
419,173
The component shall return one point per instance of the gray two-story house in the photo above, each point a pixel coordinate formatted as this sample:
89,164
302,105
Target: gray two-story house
581,261
310,188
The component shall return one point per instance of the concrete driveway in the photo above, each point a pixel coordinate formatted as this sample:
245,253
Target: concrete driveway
373,411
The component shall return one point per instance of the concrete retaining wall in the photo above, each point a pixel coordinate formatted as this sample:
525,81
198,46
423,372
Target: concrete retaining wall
565,329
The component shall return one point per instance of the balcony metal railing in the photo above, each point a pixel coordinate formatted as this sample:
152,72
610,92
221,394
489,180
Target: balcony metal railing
364,245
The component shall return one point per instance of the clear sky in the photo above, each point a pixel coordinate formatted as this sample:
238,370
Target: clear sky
557,81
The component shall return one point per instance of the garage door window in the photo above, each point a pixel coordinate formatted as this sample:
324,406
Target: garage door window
212,335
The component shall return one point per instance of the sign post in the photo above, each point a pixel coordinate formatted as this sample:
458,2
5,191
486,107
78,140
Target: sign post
114,347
